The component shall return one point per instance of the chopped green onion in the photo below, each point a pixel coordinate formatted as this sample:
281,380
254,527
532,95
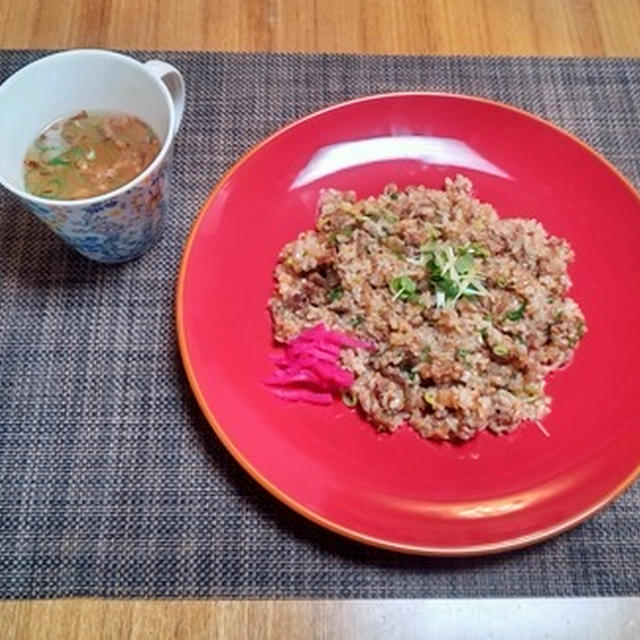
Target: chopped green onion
434,234
58,161
357,321
452,274
478,250
500,351
517,314
345,232
464,263
430,398
349,398
389,217
54,191
403,288
335,293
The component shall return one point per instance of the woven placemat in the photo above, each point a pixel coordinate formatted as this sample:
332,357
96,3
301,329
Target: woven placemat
111,481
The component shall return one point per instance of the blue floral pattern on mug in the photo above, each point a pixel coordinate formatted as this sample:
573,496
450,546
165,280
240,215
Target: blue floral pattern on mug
117,229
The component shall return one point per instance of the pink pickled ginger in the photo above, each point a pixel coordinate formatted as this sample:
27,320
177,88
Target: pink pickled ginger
309,368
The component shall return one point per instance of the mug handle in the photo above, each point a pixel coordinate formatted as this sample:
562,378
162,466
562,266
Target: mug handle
173,80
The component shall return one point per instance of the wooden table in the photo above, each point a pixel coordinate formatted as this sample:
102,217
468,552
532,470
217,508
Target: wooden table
512,27
515,27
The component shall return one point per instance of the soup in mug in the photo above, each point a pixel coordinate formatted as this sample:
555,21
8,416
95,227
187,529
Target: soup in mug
88,154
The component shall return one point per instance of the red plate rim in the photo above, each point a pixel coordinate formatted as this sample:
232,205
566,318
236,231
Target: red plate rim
471,550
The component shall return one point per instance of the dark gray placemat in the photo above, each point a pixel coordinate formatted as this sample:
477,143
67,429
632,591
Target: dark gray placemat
111,481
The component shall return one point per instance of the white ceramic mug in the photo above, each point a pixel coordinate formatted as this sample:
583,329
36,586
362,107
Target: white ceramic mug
124,223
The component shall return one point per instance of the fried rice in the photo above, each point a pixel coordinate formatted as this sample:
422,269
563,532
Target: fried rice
469,312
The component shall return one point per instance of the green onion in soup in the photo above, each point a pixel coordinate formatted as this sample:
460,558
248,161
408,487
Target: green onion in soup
88,154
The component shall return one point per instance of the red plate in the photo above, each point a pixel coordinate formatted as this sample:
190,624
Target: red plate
401,492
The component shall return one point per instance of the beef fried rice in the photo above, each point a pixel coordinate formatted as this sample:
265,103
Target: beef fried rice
469,312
